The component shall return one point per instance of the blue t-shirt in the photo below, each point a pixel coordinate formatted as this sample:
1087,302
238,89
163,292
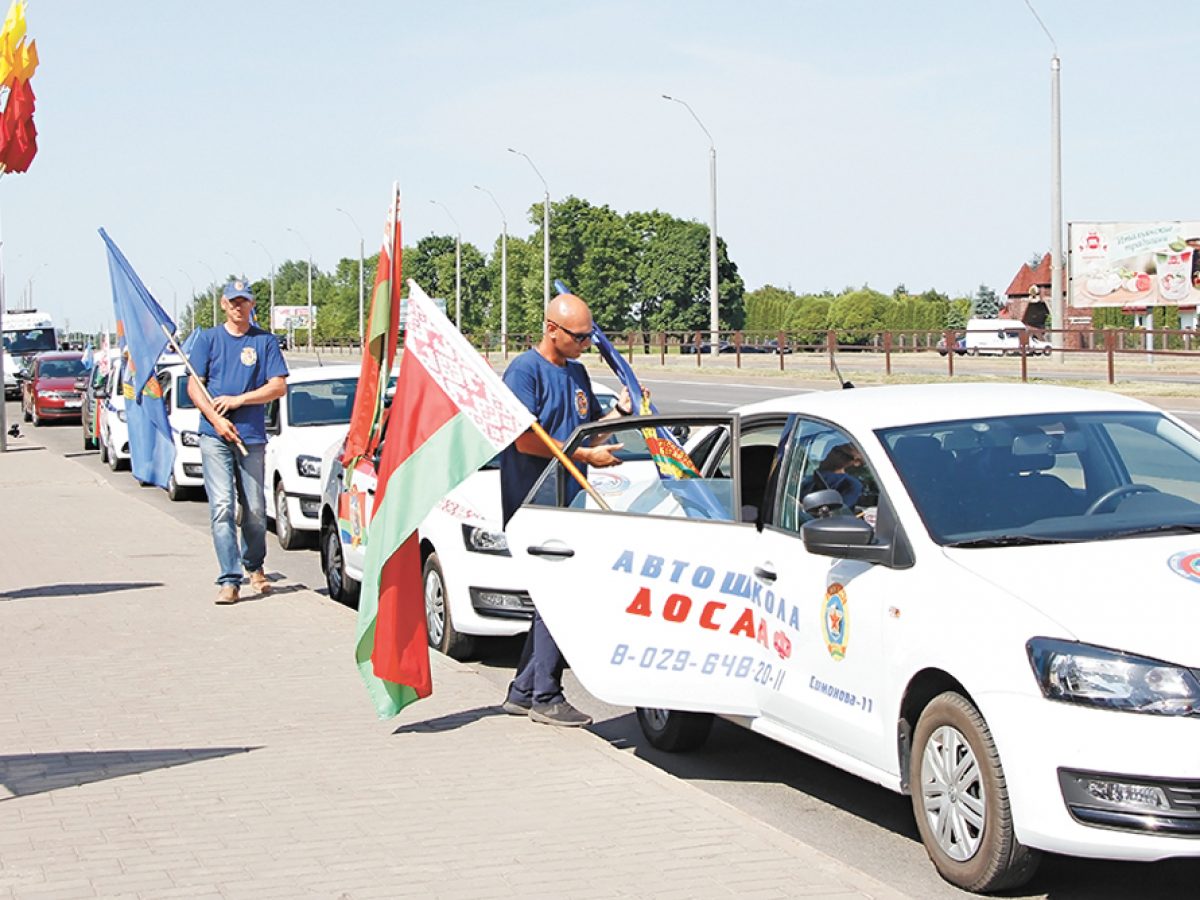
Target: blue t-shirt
231,365
561,398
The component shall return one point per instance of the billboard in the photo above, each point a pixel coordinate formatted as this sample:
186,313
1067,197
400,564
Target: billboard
1134,264
285,317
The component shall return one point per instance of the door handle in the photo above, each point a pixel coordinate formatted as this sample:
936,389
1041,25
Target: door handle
551,552
765,574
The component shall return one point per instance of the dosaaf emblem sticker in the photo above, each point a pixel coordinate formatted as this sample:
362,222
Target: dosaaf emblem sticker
581,403
1186,564
249,357
834,621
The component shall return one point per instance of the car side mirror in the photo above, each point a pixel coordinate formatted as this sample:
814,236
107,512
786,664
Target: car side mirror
821,504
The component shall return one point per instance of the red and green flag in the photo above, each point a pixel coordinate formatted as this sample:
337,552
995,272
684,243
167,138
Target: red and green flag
379,349
450,415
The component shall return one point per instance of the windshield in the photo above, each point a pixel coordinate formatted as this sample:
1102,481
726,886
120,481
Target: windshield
60,368
321,402
1033,479
30,340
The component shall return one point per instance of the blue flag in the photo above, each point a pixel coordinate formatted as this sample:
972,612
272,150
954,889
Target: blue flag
140,323
674,466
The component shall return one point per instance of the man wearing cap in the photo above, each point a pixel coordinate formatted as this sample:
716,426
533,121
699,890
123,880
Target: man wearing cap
244,370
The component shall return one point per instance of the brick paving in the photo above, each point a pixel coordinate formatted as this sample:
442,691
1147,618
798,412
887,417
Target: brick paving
153,744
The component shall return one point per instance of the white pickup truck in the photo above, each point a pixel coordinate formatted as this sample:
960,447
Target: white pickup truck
1001,337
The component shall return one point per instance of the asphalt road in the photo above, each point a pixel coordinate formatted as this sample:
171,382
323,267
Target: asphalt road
862,824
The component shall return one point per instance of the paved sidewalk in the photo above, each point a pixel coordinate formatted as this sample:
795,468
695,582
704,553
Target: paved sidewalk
153,744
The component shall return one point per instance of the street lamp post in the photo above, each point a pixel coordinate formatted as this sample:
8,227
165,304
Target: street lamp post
360,272
216,287
545,230
714,319
271,310
1058,304
457,265
311,317
503,272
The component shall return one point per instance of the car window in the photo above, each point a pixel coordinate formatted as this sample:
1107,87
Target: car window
821,457
638,486
758,447
321,402
60,368
1087,476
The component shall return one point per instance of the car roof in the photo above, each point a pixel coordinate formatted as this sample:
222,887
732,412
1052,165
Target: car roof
324,373
912,404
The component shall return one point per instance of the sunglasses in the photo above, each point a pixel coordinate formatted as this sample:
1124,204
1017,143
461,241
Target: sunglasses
580,338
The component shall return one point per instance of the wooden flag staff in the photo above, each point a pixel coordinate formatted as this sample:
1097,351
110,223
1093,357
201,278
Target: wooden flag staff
195,378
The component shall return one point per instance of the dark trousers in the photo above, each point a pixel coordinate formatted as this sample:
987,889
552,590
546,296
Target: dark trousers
539,671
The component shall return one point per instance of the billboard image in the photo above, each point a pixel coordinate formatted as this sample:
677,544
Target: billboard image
285,317
1134,264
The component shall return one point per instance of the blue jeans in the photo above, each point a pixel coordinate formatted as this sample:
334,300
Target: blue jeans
229,477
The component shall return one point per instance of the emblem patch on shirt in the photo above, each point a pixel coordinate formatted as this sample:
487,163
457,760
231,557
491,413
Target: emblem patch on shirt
581,403
249,357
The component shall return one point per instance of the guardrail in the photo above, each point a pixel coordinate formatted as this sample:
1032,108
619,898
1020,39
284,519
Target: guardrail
739,349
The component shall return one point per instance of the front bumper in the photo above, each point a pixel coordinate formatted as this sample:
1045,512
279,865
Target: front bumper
304,511
58,409
1046,747
189,470
482,593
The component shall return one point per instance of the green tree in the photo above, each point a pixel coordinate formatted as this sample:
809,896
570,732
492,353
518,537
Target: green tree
987,304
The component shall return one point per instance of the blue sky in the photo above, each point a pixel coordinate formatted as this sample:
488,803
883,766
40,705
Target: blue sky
857,142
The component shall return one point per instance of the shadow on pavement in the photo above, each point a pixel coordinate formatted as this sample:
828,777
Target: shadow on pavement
34,773
451,721
76,590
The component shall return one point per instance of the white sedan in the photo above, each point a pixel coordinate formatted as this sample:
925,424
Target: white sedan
187,474
471,587
983,596
114,430
314,413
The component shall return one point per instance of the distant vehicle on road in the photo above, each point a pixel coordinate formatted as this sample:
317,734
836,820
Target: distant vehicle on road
1002,337
95,383
114,431
48,387
960,345
27,334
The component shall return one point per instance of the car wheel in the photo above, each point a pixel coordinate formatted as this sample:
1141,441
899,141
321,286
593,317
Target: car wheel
442,634
288,538
674,731
103,450
114,461
174,491
960,800
34,417
973,351
342,587
87,442
25,413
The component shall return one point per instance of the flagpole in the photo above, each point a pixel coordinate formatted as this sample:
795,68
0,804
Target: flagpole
195,378
568,465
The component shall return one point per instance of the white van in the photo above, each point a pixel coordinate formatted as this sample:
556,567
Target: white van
1001,337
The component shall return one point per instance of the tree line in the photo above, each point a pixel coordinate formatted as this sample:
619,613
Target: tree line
641,271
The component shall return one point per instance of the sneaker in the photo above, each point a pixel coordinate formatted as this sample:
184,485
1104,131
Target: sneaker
260,582
515,707
563,714
227,595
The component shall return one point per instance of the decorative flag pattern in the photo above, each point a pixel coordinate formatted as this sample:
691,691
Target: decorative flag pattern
450,415
18,61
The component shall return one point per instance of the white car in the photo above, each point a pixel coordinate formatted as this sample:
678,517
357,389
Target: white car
313,413
12,387
114,431
471,587
1001,337
187,474
983,596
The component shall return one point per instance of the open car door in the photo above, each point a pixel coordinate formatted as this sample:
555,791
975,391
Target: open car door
654,601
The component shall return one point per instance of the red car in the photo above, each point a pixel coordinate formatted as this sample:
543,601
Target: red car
48,389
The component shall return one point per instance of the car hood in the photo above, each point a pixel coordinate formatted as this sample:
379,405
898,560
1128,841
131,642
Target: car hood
476,499
55,384
1134,594
311,440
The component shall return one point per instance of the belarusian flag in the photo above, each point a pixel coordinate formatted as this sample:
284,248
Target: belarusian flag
379,351
450,415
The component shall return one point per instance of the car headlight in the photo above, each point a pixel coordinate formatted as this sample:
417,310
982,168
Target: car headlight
121,414
480,540
189,438
1095,676
309,466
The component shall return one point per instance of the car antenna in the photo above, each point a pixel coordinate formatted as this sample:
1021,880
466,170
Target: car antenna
846,385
